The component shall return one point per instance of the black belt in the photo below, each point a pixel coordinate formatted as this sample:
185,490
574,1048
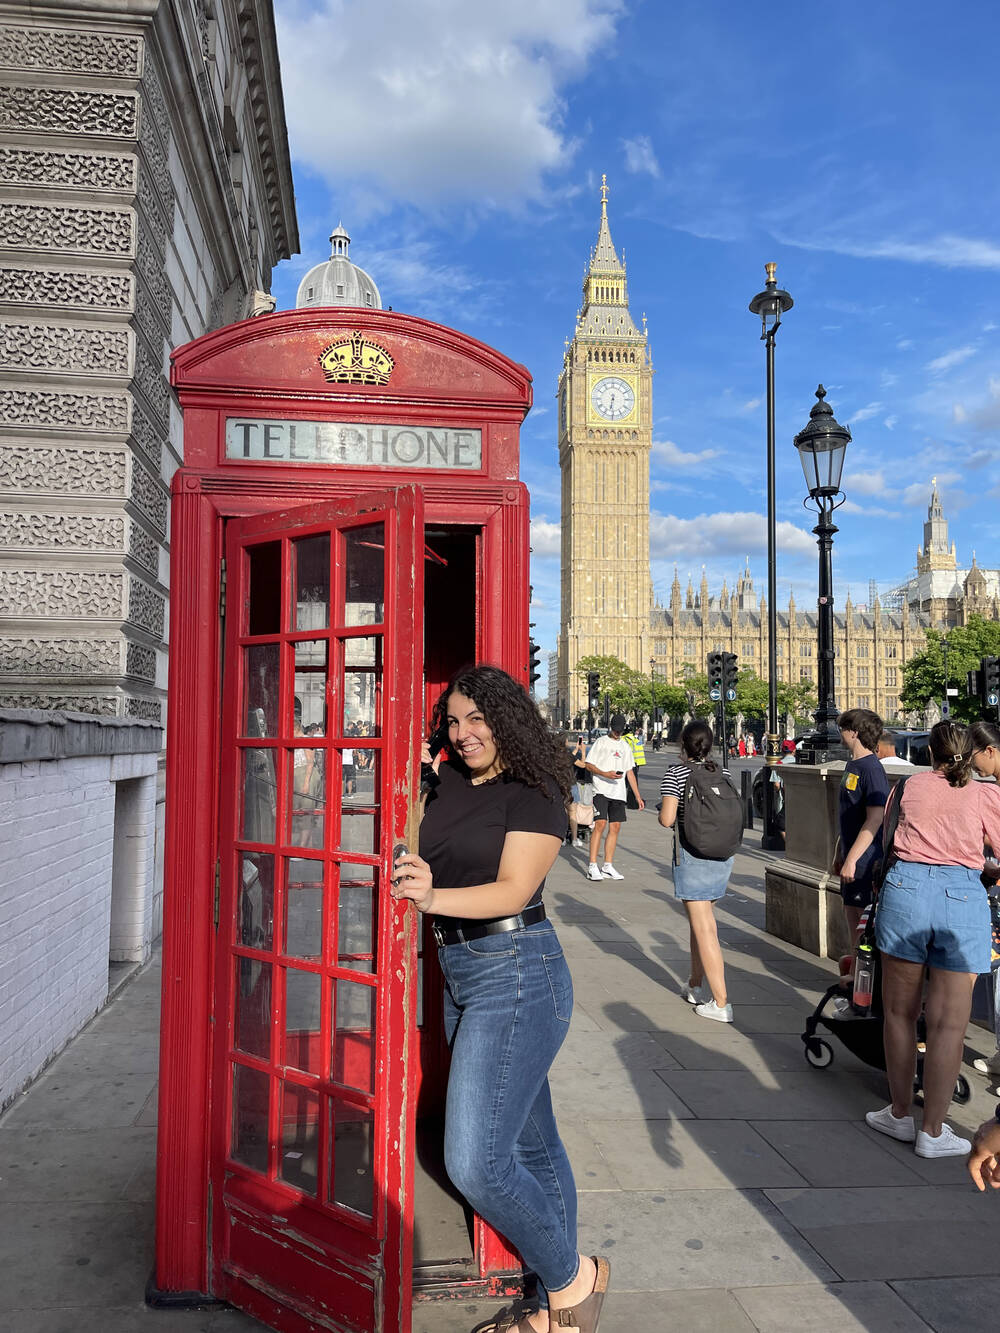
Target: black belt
456,931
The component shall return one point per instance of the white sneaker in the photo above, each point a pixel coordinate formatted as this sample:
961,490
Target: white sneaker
693,994
722,1013
989,1064
609,872
886,1123
593,871
947,1144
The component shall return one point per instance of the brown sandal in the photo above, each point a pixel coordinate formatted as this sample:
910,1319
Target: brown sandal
586,1315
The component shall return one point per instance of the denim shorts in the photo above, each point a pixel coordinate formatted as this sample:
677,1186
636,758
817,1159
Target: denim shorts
697,880
934,914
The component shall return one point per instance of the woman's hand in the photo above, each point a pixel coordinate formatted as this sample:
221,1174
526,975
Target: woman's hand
849,869
412,879
984,1167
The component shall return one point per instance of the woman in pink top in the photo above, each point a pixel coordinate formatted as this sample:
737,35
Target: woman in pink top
932,911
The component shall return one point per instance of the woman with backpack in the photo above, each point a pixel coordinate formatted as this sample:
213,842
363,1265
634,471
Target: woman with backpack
932,912
700,879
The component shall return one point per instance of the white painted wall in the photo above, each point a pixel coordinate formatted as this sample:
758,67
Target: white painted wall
58,834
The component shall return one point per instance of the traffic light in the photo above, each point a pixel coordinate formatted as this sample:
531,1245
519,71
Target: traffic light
974,684
730,671
990,667
593,689
533,668
715,669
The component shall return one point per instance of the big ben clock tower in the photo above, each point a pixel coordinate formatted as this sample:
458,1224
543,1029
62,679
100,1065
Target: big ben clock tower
605,432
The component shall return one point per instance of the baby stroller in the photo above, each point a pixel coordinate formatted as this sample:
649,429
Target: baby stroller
861,1032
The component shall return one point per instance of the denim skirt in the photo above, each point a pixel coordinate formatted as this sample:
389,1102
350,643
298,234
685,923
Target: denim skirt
697,880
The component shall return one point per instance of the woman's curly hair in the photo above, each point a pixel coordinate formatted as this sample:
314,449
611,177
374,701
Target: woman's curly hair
527,749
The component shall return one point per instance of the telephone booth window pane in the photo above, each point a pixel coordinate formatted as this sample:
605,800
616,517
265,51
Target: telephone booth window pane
311,582
351,1147
304,908
310,687
299,1138
250,1137
365,566
307,797
357,832
362,692
255,925
356,919
360,775
260,686
302,1020
265,589
253,1007
257,780
353,1063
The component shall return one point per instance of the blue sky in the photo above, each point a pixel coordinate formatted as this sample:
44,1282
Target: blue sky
462,143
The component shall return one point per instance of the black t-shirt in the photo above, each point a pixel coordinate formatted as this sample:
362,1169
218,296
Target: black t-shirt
464,826
864,784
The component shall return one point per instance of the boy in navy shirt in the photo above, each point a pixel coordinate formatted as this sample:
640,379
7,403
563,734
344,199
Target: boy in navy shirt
864,790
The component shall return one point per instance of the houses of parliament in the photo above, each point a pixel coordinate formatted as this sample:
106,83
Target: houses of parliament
605,436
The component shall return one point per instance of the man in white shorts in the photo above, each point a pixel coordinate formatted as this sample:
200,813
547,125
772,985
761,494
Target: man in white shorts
611,761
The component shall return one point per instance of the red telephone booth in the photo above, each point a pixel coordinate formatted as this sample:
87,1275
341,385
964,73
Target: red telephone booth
347,529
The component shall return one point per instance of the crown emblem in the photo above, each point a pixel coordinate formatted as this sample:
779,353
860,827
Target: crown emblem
356,360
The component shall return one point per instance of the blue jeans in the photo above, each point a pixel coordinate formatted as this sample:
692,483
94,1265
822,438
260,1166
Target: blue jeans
934,914
507,1004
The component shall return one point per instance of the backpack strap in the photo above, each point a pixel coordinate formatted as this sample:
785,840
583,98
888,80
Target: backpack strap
890,822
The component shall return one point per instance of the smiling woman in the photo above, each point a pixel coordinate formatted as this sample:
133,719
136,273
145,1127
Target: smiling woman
492,829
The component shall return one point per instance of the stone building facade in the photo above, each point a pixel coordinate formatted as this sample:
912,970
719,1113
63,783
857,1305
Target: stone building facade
605,436
145,194
939,589
871,645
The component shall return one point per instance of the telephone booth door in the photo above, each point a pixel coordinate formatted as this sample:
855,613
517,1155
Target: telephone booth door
312,1155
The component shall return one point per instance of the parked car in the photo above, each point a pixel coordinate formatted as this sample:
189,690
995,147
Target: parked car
912,746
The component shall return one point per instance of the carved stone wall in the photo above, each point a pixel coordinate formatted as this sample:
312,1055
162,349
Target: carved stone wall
70,288
117,235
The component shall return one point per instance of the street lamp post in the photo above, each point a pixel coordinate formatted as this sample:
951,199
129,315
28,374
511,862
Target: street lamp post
652,695
770,305
822,445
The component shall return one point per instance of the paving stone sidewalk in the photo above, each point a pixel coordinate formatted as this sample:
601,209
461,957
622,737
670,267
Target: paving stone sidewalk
732,1186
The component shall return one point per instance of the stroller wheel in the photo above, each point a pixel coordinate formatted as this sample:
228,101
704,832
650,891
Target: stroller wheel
962,1091
819,1053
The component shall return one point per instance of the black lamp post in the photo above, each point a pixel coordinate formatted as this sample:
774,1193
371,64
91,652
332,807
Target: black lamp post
771,304
652,695
822,445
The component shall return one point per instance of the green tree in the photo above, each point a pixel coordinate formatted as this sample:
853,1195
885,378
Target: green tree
627,688
923,675
797,702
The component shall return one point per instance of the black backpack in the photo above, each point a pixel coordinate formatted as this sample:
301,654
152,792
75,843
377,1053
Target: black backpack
712,824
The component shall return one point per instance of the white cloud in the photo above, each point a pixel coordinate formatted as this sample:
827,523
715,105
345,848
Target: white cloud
944,251
919,492
749,406
863,413
904,344
672,455
439,101
866,483
948,360
545,539
869,510
711,535
890,422
639,155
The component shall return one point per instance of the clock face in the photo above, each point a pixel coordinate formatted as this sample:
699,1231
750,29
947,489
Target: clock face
613,398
